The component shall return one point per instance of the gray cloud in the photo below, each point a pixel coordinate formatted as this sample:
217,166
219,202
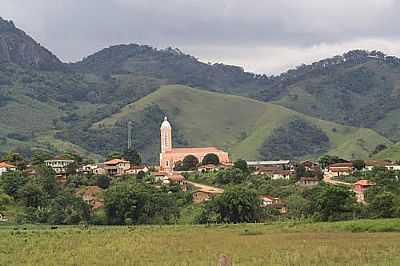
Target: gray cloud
263,36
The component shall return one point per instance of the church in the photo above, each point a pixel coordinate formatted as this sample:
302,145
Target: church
169,156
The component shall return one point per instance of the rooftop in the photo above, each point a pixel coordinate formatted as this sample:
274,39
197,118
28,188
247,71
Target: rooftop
115,161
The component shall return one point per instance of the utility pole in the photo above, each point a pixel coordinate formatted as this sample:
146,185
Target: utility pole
130,144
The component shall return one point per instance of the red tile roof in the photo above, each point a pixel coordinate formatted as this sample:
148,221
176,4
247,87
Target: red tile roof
194,150
176,178
341,165
6,165
364,183
115,161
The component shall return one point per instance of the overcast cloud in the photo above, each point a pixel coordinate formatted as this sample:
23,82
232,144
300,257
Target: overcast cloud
267,36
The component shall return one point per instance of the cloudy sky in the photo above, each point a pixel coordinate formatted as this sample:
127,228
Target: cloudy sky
264,36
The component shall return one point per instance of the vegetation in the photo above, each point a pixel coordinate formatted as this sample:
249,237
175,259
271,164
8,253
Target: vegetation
248,244
295,140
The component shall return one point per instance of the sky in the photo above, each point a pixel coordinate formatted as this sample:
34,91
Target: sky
263,36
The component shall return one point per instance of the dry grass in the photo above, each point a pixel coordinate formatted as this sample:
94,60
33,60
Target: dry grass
197,245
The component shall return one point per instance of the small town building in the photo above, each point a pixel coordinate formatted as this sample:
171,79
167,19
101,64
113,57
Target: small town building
136,169
340,169
310,166
59,164
91,195
174,179
205,194
283,164
390,165
308,181
209,168
6,167
275,172
273,202
360,187
116,167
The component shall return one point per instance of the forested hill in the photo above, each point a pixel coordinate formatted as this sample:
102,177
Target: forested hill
47,104
19,48
173,66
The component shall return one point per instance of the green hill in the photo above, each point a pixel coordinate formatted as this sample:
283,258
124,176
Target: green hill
240,125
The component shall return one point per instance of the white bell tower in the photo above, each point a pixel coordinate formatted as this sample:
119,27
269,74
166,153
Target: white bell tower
166,136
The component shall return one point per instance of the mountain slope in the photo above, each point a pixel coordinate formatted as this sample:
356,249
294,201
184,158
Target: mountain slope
18,48
240,125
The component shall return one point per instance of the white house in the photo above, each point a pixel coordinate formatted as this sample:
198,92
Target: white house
59,164
6,167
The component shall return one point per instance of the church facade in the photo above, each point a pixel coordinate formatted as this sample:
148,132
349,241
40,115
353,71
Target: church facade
169,156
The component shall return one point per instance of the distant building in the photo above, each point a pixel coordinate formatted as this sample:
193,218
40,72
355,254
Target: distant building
340,169
275,172
360,187
308,181
170,156
6,167
284,164
116,167
134,170
91,195
273,202
59,164
390,165
205,194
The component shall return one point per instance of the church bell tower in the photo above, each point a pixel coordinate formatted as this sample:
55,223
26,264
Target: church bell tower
166,136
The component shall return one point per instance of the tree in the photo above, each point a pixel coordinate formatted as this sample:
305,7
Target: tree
359,164
39,156
46,177
210,158
103,181
11,182
133,156
190,162
332,203
327,160
235,205
32,194
382,206
242,165
227,176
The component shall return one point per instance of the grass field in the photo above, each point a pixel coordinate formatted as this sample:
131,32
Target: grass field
241,125
343,243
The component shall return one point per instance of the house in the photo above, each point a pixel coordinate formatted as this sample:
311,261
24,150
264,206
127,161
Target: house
273,202
59,164
362,185
308,181
174,179
340,169
371,164
208,168
90,194
116,167
88,168
359,188
205,194
275,172
160,176
6,167
310,166
283,164
134,170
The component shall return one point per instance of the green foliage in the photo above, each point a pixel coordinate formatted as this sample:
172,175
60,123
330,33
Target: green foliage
11,182
383,206
230,176
235,205
359,164
242,165
132,156
139,204
295,140
210,158
103,181
190,162
331,203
